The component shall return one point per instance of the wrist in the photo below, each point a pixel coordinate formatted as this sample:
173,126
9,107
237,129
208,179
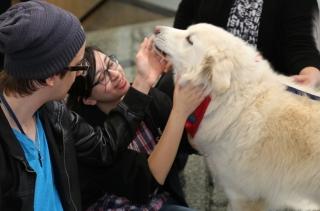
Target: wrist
141,85
179,114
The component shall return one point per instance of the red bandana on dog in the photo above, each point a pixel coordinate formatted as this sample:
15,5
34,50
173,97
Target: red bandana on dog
195,118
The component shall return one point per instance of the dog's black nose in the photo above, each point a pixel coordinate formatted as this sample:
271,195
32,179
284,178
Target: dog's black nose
156,30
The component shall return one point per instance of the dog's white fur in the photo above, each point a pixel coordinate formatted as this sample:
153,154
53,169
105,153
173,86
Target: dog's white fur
261,141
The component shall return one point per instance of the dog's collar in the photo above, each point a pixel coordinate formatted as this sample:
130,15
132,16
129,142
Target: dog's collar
303,93
195,118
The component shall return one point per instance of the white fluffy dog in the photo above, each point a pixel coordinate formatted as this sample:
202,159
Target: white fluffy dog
260,141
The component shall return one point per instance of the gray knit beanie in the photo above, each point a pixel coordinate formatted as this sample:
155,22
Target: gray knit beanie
38,39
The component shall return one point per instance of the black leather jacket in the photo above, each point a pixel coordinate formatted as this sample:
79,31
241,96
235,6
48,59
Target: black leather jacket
69,139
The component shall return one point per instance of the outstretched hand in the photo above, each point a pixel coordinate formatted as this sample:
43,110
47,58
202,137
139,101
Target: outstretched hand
150,65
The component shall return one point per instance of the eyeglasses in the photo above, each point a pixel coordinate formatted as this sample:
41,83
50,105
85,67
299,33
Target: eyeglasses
104,77
82,66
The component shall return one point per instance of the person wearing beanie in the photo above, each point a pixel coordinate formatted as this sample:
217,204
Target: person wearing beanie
41,141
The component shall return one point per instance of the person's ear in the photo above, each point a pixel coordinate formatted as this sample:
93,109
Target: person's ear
89,101
51,80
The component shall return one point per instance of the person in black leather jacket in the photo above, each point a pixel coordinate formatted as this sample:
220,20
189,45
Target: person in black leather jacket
41,141
137,169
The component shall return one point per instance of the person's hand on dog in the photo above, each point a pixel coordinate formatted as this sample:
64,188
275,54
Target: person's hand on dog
187,98
149,64
308,76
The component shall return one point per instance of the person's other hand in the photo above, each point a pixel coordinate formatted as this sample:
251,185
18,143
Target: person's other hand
150,65
309,76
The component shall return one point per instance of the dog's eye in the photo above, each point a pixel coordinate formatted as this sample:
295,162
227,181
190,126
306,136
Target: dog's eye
189,40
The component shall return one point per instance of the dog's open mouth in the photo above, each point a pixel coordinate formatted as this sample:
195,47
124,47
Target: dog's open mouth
160,52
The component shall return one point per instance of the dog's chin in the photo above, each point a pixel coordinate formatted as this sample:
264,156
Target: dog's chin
161,52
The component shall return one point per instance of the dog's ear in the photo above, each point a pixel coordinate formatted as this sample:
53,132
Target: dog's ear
217,72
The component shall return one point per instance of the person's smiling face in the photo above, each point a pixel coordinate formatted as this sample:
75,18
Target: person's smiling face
110,83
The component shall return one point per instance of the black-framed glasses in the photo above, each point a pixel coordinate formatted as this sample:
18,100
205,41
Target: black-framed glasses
104,76
82,66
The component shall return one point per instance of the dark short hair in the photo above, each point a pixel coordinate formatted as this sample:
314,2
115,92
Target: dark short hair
22,87
82,86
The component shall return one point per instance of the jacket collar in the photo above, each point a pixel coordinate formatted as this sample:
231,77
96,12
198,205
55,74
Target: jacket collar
9,139
57,158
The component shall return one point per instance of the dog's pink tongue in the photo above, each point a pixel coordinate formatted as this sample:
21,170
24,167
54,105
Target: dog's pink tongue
195,118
